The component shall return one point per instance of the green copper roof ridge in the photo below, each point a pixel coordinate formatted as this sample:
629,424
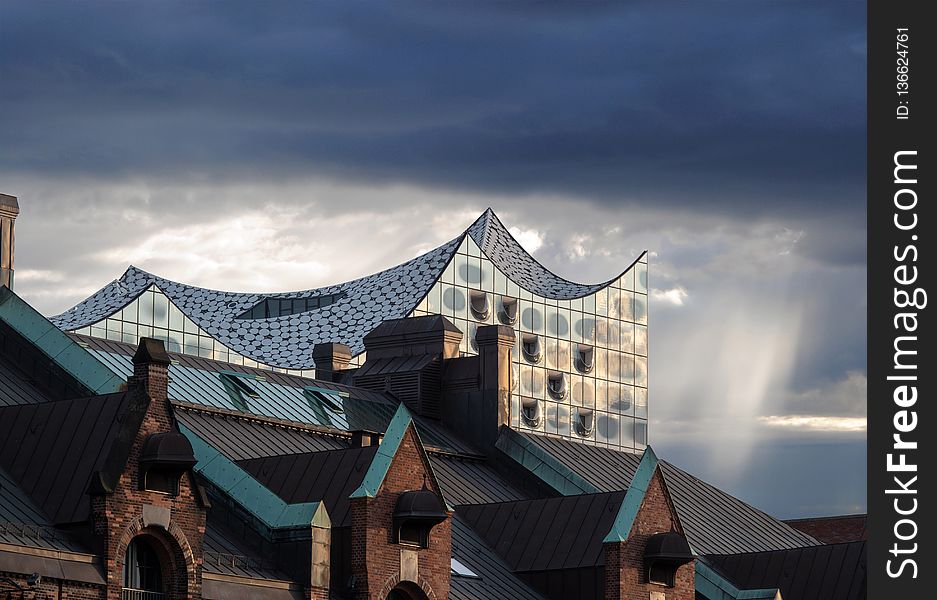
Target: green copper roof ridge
713,586
252,495
631,503
386,451
542,464
54,343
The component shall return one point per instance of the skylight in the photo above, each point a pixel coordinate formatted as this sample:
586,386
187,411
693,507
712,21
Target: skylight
238,389
269,308
461,570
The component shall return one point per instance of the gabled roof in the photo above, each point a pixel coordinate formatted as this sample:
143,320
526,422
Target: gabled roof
55,450
359,307
329,477
634,497
713,521
835,571
546,533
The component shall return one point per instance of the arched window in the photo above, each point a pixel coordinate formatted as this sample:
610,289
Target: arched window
143,573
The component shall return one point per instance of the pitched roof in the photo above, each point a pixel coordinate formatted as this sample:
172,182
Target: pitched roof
833,530
713,521
225,553
494,580
197,381
830,572
52,450
546,533
330,477
22,522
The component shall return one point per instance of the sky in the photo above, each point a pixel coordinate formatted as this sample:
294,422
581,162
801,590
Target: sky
268,147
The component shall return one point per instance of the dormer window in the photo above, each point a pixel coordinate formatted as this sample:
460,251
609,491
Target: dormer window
585,358
585,421
325,404
530,411
664,553
507,314
415,515
556,385
530,346
163,460
478,303
239,390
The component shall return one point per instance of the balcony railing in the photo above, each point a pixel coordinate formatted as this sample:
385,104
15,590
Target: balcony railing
132,594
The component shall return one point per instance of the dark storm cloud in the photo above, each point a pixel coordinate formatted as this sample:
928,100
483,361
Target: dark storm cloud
741,105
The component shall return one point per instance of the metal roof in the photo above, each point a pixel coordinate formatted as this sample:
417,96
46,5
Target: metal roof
831,572
359,306
495,580
546,533
197,381
241,437
16,389
714,521
52,449
472,480
23,524
226,554
329,477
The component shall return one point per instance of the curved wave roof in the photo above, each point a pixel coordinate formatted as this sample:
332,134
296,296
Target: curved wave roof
358,307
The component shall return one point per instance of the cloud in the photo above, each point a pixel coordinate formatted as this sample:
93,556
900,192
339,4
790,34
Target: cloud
674,296
481,98
530,239
815,423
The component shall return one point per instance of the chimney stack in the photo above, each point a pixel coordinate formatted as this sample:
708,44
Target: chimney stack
330,359
9,209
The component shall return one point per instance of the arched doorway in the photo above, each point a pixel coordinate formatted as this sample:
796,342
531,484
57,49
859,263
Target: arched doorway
144,571
407,590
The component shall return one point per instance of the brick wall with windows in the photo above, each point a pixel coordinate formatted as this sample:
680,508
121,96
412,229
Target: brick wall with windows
376,557
626,574
173,524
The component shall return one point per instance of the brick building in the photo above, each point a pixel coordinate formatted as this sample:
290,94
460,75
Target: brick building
129,471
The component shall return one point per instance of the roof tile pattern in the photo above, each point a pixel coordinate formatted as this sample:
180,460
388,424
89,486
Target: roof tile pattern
287,341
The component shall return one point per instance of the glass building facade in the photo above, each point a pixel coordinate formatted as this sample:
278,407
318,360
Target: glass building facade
579,363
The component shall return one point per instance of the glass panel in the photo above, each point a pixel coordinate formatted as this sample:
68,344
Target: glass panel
640,282
640,371
640,308
627,368
146,308
640,340
627,432
160,311
640,402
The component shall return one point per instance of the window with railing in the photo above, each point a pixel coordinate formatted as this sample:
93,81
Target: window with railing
143,573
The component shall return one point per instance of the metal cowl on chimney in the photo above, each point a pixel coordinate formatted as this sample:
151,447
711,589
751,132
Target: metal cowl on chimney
9,209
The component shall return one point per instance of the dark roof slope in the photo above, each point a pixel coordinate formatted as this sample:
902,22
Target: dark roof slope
546,533
495,580
52,449
833,530
714,521
471,480
329,477
832,572
16,388
242,437
23,524
224,553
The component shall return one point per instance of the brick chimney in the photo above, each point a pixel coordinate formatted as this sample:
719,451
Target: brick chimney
331,359
151,370
9,209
